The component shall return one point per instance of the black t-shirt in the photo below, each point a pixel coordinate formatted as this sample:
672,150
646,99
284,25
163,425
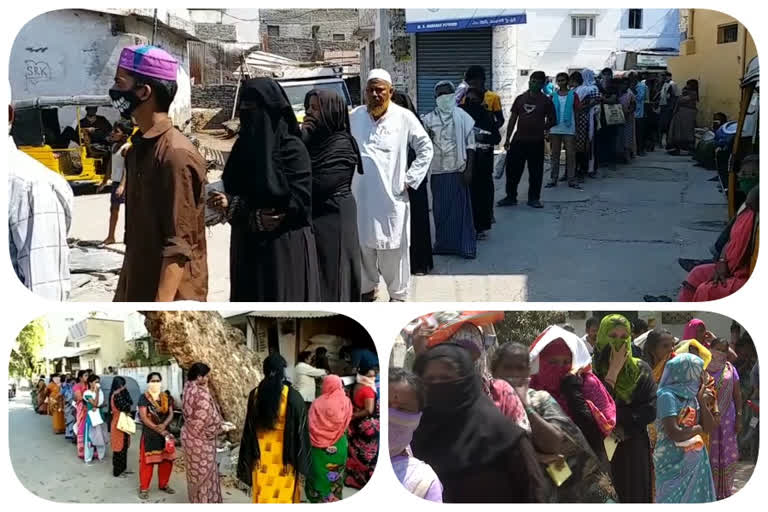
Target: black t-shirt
535,114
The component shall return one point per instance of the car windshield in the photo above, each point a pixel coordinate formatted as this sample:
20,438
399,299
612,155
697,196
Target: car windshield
297,92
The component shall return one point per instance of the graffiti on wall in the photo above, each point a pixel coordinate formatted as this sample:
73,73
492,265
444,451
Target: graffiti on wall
36,72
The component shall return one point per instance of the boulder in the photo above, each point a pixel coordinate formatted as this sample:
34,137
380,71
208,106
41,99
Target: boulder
204,336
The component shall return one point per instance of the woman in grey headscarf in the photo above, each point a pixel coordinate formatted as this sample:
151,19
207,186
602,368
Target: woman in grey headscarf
589,105
453,138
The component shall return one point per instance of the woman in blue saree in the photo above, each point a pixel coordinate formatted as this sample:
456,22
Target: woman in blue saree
683,472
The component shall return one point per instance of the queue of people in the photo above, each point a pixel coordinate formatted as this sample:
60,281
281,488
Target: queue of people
294,443
596,424
299,232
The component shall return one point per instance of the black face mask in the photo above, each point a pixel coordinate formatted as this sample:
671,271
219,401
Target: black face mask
124,102
447,397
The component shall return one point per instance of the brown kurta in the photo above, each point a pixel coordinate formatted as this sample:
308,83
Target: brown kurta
164,215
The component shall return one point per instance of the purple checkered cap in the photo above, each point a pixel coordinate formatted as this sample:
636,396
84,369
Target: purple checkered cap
149,61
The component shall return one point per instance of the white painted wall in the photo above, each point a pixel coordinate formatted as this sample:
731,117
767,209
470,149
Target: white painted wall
71,52
545,43
247,31
245,20
660,29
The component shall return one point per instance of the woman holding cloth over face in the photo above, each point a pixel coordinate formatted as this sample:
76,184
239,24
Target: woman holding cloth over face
683,472
335,157
557,439
95,432
630,381
561,366
329,418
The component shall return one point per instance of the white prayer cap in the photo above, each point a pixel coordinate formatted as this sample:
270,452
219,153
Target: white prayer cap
380,74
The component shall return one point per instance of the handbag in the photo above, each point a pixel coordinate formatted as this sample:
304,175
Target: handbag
126,424
95,417
170,445
614,114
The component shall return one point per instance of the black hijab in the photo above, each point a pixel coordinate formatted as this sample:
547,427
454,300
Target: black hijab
460,427
332,149
269,163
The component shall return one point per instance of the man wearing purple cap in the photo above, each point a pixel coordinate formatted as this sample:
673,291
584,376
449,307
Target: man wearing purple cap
165,257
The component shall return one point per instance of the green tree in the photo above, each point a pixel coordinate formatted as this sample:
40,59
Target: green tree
524,326
26,360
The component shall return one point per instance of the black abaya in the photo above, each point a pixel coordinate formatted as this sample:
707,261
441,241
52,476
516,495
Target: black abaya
631,463
335,157
421,231
482,187
477,452
270,169
483,191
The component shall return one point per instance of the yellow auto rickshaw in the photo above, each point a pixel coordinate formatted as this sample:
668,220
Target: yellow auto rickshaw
37,132
746,142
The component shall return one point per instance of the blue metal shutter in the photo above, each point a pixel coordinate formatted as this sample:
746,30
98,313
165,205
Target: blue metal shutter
446,56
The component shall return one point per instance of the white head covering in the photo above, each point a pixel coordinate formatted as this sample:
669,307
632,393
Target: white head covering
581,357
380,74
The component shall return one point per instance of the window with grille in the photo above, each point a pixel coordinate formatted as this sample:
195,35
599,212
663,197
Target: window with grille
339,37
583,26
273,31
636,18
728,33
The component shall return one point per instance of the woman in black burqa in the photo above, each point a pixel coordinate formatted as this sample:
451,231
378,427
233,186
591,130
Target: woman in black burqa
335,157
421,234
268,200
479,454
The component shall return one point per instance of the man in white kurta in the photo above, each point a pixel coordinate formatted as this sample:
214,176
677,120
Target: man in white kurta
384,131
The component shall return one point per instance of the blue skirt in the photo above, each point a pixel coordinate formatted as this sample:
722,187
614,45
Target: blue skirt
452,208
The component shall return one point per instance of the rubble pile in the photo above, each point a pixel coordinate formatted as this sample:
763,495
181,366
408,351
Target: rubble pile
94,270
204,336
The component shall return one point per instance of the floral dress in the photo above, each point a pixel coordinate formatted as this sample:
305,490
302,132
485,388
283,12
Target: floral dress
363,441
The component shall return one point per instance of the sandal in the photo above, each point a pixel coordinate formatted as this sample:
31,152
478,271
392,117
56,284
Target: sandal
168,490
144,495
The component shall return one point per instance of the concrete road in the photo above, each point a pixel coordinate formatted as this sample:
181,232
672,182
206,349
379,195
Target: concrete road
47,466
617,240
